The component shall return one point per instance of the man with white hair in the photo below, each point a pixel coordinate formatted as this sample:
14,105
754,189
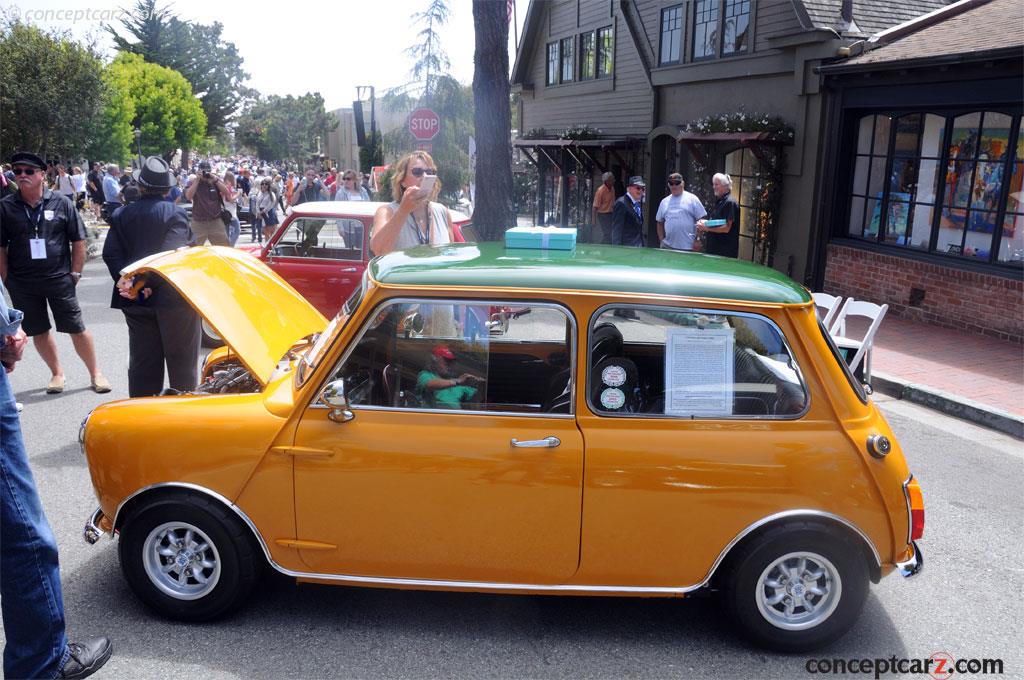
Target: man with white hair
111,189
604,203
677,216
723,240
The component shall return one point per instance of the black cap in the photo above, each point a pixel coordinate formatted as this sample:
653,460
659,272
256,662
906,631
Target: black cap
205,165
26,158
154,174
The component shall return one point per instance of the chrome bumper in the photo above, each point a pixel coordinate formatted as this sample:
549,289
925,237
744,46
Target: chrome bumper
914,565
92,531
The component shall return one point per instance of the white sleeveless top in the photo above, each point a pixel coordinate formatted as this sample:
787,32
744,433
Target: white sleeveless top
411,236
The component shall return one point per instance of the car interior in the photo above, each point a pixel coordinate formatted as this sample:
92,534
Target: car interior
330,239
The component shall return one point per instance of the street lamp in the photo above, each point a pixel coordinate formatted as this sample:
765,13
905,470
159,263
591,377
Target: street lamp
138,143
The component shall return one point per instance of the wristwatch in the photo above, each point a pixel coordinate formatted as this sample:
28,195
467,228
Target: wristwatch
77,276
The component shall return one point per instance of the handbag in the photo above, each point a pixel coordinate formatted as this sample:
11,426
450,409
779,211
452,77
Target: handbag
225,216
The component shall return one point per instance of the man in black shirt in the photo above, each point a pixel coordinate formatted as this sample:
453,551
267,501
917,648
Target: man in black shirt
42,253
723,240
162,326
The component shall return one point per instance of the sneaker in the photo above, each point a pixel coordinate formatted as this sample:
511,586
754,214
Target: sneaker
56,385
18,405
86,658
100,385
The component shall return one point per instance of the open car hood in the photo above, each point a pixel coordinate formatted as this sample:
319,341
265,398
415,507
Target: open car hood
254,310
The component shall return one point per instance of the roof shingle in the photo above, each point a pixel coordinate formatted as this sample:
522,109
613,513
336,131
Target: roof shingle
870,17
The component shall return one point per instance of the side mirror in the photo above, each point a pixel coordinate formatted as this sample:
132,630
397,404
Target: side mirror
333,396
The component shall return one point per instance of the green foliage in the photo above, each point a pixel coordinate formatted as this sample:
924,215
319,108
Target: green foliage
453,104
161,101
372,153
51,92
742,121
209,63
284,128
580,132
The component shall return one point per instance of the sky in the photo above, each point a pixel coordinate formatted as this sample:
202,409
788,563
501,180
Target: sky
293,48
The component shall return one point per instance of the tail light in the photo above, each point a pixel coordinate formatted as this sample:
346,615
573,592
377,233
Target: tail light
915,508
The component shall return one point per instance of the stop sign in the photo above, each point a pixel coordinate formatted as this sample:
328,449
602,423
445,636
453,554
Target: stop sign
424,124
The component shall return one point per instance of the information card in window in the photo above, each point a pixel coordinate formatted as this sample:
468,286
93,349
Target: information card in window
699,372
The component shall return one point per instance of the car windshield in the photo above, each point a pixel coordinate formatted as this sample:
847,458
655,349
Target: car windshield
322,340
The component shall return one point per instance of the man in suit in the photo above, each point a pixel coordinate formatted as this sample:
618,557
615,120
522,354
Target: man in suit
628,215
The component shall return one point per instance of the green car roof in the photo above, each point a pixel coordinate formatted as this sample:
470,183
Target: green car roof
589,268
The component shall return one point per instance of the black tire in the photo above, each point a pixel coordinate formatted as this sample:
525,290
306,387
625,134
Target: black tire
231,549
210,338
843,584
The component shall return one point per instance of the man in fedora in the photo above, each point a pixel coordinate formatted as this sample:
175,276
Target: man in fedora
162,327
42,253
628,215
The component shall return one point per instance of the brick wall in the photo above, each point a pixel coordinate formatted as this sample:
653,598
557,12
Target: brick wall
953,298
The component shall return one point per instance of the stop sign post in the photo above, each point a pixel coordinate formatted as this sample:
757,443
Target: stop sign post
424,124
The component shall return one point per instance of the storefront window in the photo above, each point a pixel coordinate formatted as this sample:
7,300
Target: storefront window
1011,246
929,181
742,165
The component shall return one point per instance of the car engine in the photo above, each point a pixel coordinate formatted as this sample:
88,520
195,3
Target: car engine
229,377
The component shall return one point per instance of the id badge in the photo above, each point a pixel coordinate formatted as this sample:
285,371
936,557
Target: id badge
37,246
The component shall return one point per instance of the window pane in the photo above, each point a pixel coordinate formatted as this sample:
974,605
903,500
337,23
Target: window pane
705,28
927,176
748,222
568,60
931,141
995,136
1011,246
691,363
671,34
988,184
748,187
1015,198
960,188
737,21
908,130
896,224
605,51
1020,144
921,232
473,357
860,174
876,182
588,56
552,75
874,214
867,125
856,216
903,181
733,163
979,234
965,136
328,239
882,125
951,231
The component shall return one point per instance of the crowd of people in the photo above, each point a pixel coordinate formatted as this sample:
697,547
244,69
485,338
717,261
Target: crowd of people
683,223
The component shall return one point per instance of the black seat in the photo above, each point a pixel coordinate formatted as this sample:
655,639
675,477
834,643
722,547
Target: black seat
558,398
622,375
606,341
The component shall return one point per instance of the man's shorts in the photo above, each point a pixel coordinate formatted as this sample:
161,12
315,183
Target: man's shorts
32,299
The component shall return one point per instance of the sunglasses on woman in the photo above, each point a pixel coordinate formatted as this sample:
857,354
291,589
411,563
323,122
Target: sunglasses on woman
419,172
24,171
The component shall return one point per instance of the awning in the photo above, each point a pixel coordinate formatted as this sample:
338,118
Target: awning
735,137
562,143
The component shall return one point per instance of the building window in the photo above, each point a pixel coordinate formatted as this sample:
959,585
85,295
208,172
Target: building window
588,56
568,60
745,170
733,16
935,183
671,35
552,76
605,52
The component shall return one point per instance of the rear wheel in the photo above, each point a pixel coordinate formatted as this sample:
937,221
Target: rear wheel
796,587
188,558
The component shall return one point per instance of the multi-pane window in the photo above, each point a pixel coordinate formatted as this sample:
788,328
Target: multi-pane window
568,58
588,55
743,167
671,35
605,52
720,27
937,182
552,72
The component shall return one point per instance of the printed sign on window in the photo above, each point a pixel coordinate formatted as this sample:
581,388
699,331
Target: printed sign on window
699,371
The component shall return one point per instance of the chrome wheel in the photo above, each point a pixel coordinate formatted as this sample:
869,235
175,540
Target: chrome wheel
798,591
181,561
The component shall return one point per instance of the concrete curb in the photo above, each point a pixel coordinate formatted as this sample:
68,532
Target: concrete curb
950,404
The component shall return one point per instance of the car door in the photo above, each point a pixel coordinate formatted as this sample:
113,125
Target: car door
322,257
473,482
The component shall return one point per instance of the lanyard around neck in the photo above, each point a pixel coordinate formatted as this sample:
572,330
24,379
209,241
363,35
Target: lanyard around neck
35,216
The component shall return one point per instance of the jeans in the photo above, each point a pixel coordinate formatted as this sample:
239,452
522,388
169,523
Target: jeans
234,230
30,593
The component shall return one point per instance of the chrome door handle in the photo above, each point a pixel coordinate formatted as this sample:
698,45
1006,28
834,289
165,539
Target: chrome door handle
350,270
546,443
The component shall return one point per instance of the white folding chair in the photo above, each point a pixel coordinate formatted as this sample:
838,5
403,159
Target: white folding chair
863,346
827,306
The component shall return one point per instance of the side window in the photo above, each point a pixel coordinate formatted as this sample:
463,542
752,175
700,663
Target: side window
323,238
493,356
691,364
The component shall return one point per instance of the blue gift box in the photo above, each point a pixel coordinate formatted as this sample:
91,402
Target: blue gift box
547,238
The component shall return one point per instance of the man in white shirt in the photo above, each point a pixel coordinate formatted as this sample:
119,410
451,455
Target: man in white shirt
677,216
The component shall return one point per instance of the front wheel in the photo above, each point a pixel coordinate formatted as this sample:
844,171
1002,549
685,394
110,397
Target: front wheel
188,558
796,587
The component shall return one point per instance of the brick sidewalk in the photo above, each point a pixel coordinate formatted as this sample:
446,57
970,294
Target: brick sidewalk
982,369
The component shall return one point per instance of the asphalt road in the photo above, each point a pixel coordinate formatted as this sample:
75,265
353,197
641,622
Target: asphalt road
967,602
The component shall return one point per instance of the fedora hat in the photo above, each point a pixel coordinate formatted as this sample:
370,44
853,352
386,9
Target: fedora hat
154,174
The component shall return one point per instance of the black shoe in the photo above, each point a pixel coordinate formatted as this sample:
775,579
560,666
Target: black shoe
86,658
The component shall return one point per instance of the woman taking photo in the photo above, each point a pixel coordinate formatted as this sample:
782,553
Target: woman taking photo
413,218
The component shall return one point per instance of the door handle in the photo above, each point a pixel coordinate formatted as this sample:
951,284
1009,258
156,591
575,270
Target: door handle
349,270
546,443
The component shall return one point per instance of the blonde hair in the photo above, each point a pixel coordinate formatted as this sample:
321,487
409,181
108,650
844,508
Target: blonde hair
402,167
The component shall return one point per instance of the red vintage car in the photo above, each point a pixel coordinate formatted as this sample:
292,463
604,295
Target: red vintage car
321,249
